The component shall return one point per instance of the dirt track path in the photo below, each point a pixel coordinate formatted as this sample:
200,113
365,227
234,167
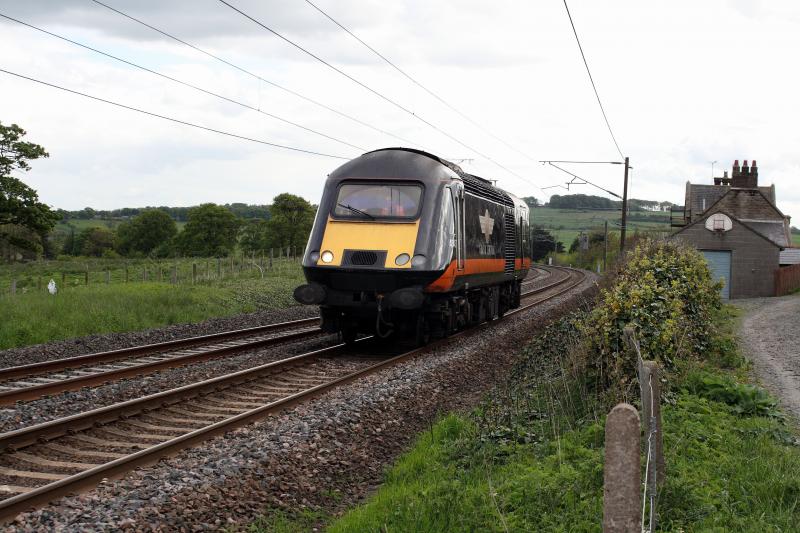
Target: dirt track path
770,336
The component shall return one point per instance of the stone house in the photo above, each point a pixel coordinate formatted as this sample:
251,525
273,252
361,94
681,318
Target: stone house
738,228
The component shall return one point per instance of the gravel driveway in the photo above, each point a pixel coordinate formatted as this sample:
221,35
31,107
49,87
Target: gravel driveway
770,337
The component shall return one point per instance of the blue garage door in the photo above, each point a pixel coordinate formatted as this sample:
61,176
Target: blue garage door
720,265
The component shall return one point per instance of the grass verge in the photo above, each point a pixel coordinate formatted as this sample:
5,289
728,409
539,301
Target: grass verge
39,317
531,457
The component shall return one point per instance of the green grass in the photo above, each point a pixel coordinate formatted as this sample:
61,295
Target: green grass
37,317
795,239
109,223
531,459
568,223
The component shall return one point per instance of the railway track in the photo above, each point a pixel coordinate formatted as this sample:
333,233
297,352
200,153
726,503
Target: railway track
49,460
28,382
32,381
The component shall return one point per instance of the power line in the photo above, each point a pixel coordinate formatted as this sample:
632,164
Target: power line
370,89
575,176
417,83
256,76
186,84
613,138
171,119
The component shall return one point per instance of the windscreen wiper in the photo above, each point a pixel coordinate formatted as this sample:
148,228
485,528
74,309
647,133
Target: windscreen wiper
354,210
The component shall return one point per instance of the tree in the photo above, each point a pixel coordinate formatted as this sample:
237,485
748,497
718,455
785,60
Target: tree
543,244
24,220
94,241
210,231
253,235
531,201
291,218
148,233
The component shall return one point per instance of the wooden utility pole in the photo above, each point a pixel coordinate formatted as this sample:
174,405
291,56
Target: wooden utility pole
605,246
624,210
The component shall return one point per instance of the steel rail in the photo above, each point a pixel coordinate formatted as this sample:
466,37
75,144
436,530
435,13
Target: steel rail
32,392
46,431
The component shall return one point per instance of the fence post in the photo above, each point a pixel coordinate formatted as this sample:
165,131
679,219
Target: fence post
108,276
144,273
174,273
270,258
63,279
194,273
13,287
219,268
86,276
621,472
126,272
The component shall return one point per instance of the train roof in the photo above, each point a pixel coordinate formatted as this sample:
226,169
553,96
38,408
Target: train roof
472,183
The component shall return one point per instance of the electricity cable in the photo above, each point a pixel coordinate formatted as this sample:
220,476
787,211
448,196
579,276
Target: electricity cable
370,89
602,110
575,176
186,84
171,119
256,76
417,83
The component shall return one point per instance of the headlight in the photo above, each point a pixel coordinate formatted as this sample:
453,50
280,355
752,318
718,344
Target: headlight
327,256
418,261
401,259
314,257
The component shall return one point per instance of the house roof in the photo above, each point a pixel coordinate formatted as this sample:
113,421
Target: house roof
709,213
790,256
700,197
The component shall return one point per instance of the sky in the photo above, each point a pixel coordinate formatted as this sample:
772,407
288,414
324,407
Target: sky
683,83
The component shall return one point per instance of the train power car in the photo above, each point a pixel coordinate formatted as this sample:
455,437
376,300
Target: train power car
405,242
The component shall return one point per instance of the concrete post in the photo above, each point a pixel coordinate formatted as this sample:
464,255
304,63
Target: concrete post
622,504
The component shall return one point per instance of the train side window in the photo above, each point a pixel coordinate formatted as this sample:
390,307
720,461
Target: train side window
458,214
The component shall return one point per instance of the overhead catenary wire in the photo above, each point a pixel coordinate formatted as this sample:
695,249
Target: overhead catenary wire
172,119
417,83
184,83
575,176
373,91
256,76
591,79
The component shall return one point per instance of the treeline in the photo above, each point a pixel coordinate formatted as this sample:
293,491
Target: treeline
210,231
588,201
180,214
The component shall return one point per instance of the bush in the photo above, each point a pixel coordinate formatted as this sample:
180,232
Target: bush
665,291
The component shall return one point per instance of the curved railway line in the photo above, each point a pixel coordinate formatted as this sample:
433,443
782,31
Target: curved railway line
32,381
49,460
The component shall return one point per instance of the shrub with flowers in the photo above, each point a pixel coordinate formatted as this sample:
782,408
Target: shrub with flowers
665,291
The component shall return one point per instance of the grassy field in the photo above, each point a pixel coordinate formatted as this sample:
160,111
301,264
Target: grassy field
531,460
796,239
79,271
34,316
568,223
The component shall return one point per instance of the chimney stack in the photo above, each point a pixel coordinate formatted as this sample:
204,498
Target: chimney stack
744,177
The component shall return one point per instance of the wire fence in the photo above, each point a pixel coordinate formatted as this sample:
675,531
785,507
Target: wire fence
39,276
630,502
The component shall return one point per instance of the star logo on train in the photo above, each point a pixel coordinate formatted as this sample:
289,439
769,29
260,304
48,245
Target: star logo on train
487,225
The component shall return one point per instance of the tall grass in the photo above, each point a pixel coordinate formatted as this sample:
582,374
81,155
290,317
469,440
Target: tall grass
40,317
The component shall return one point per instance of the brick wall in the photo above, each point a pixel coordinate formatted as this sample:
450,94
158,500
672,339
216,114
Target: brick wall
754,260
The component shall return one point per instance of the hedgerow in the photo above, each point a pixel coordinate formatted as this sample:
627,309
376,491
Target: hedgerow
665,292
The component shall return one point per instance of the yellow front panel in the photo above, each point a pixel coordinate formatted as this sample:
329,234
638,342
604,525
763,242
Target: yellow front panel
396,238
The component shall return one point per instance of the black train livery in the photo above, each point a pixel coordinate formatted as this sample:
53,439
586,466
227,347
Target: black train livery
405,242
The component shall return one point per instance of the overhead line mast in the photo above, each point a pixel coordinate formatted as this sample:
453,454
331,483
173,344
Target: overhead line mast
373,91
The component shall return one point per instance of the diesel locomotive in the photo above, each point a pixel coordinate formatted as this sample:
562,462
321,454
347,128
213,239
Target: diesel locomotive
407,243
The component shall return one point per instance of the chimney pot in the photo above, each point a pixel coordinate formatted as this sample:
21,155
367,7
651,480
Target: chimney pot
754,164
736,162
